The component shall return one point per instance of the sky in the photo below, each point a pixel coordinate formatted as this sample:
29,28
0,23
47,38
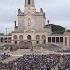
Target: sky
57,11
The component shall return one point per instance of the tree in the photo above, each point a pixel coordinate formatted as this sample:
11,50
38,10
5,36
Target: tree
56,29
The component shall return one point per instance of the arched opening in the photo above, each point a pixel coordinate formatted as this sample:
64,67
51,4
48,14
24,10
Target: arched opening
9,40
15,37
29,37
25,44
22,45
37,39
43,39
15,42
21,37
5,39
29,42
28,2
1,39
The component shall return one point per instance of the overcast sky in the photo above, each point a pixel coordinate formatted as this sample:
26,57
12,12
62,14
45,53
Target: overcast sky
57,11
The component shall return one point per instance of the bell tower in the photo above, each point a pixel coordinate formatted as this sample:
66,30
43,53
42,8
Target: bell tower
29,3
29,6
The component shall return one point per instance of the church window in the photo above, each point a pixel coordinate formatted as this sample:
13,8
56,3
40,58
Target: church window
5,39
29,2
49,39
29,37
29,21
57,39
15,42
15,37
53,39
1,39
61,39
37,42
37,37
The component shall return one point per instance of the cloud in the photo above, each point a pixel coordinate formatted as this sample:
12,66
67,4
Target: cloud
58,11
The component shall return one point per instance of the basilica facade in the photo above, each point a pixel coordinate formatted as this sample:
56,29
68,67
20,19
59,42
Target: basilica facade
31,25
32,30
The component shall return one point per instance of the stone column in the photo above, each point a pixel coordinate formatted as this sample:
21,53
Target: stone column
46,39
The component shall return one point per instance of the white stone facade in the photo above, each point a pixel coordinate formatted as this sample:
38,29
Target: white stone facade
31,23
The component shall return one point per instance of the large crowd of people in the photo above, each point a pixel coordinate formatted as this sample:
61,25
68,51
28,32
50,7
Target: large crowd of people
66,62
4,56
38,62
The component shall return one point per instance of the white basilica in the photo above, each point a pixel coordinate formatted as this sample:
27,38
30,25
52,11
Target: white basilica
31,29
31,25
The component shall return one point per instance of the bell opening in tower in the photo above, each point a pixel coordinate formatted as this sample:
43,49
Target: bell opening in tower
28,2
